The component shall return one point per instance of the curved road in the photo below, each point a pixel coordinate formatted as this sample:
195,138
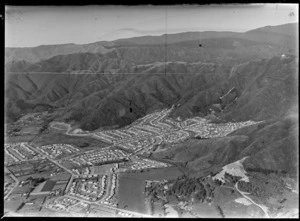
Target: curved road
248,198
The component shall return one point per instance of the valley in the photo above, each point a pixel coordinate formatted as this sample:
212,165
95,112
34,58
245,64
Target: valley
126,157
204,125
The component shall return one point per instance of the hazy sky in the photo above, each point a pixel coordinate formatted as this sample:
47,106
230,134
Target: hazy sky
33,26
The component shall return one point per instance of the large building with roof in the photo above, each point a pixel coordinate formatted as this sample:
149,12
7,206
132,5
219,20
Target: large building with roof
49,186
44,188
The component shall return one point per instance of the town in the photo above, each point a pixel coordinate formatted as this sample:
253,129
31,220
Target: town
96,157
58,151
66,178
156,128
18,152
101,188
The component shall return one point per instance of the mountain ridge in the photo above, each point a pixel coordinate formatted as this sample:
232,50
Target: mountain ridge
179,33
34,54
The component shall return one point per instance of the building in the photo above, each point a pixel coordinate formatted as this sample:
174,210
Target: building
44,188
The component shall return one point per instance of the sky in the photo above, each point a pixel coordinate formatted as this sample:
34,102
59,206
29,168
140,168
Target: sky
30,26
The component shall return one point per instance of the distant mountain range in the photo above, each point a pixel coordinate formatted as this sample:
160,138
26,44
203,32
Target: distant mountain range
282,36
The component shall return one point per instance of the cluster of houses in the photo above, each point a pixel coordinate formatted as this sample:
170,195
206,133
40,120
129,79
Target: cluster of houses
211,130
108,200
9,183
89,189
96,188
95,157
34,116
90,171
31,118
62,203
140,136
24,121
84,171
123,214
148,126
140,164
138,145
17,152
176,136
10,159
58,150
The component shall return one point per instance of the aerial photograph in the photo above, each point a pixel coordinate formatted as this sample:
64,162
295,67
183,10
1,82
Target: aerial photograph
170,111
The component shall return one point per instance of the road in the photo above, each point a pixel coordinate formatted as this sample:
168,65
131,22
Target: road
70,181
53,161
69,184
69,128
115,143
111,207
15,185
263,208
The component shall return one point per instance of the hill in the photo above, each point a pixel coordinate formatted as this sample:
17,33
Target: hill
232,77
267,88
267,146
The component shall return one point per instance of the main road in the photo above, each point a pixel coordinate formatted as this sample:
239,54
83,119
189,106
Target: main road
262,207
70,181
15,184
110,207
53,161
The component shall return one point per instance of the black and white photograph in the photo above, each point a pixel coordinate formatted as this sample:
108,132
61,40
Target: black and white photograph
151,111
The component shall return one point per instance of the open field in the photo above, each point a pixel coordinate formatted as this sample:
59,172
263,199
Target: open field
205,210
60,126
39,168
19,139
132,186
102,211
53,137
232,209
29,130
56,137
12,204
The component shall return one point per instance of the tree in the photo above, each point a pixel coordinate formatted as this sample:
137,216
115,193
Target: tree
221,211
20,206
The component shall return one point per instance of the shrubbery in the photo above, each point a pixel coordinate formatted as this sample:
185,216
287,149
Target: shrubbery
182,188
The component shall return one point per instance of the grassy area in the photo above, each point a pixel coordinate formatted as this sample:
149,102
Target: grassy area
60,126
233,209
18,139
224,194
53,137
131,194
29,130
12,205
206,210
102,211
